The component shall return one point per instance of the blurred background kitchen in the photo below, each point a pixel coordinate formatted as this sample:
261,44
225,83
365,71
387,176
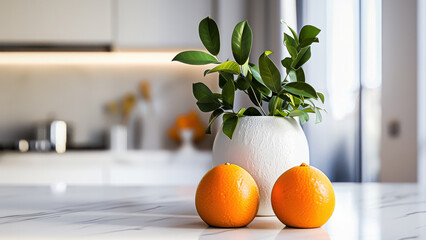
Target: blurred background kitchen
89,95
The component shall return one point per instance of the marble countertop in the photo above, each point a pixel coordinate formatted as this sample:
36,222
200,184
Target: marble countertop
363,211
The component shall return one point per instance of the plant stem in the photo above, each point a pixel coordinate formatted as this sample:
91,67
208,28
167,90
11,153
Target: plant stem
277,101
286,76
257,100
275,105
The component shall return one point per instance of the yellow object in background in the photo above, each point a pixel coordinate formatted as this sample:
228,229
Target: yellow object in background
145,90
129,102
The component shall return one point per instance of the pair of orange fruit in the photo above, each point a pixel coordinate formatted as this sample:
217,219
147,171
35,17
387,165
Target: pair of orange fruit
228,196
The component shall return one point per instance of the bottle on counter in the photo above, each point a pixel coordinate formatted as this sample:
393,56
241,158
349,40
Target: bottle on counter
118,115
143,127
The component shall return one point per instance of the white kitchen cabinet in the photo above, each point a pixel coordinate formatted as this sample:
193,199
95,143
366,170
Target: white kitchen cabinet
160,168
52,168
55,22
136,168
122,24
160,24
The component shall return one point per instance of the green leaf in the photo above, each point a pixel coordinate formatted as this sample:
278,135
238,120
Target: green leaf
291,29
313,104
200,90
228,93
222,81
274,104
218,95
195,58
245,68
255,71
292,76
251,111
213,117
207,106
224,77
290,97
255,96
229,125
278,104
227,107
289,41
258,82
305,105
261,87
296,113
207,101
206,71
209,35
292,51
279,113
321,109
318,117
266,98
241,42
300,75
308,110
302,57
291,45
287,62
269,73
301,89
228,67
303,119
308,42
308,32
321,96
242,83
227,115
297,102
271,105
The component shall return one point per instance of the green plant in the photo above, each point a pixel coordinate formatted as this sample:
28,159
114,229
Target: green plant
287,97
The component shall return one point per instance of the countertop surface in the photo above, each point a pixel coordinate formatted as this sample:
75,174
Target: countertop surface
363,211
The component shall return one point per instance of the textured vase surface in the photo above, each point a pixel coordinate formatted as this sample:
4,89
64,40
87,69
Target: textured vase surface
266,147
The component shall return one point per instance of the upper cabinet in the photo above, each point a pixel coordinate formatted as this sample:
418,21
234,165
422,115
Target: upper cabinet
55,22
160,24
117,24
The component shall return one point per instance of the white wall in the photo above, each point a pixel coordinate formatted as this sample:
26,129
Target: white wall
399,95
79,93
421,89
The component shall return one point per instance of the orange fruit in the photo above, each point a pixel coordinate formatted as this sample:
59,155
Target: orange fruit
303,197
227,196
183,122
188,121
174,133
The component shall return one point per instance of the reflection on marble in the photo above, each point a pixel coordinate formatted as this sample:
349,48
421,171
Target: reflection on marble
363,211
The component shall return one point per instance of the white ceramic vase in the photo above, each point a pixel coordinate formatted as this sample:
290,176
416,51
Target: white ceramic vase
266,147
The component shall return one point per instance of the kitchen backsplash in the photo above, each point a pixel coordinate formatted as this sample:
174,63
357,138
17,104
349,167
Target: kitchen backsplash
79,94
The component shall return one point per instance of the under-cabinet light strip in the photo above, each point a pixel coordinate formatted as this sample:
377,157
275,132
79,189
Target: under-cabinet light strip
82,58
